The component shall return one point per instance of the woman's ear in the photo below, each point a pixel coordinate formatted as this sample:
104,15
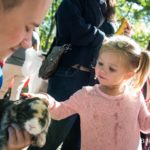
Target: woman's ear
129,75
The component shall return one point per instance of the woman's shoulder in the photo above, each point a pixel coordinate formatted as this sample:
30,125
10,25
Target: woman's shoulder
70,4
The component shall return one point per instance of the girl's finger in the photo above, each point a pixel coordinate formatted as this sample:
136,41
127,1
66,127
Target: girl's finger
28,95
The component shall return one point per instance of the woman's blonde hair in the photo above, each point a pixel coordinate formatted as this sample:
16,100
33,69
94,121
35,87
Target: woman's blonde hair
138,60
10,4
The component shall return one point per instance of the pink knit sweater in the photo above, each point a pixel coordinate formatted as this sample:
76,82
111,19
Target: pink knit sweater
107,122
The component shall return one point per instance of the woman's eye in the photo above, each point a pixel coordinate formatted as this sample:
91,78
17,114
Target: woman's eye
27,28
112,69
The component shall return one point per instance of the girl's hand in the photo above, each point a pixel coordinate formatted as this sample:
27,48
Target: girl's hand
18,139
49,100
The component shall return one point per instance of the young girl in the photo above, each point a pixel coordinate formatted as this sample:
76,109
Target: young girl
112,113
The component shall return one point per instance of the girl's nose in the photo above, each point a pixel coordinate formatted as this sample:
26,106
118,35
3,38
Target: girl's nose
103,71
27,41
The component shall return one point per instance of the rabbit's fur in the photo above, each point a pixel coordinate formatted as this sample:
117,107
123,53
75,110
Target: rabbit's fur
30,114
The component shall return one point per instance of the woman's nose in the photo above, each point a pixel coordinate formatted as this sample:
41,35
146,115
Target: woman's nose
27,41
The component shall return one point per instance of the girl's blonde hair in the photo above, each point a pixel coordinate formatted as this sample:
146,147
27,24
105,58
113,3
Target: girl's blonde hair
138,60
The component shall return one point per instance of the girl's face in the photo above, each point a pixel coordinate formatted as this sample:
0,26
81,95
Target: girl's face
110,69
18,23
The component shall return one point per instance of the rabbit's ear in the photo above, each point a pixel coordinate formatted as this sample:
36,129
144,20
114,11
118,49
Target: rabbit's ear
41,139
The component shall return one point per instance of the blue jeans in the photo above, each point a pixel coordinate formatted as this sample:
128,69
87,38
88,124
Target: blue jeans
62,85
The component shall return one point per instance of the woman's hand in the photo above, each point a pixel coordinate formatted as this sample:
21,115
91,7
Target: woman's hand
128,30
18,139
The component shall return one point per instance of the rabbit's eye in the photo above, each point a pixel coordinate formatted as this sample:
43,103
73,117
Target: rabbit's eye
45,114
42,122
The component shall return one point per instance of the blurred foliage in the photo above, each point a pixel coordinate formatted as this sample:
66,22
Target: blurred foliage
138,14
48,29
136,11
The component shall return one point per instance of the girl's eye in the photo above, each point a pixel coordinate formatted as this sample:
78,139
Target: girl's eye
112,69
100,63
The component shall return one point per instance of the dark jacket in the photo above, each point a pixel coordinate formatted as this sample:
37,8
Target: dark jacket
82,24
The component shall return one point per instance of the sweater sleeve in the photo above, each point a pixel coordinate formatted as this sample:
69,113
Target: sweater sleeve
79,31
61,110
144,116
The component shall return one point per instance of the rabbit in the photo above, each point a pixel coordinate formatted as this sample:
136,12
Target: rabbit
30,114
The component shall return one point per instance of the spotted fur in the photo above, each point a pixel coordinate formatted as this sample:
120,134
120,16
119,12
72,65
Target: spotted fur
29,114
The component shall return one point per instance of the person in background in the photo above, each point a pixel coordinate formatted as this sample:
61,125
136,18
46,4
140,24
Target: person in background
114,112
12,70
83,24
18,20
145,138
30,69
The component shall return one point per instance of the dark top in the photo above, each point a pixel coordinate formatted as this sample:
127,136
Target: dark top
82,24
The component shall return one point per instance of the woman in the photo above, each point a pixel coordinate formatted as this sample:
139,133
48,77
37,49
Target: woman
18,19
83,24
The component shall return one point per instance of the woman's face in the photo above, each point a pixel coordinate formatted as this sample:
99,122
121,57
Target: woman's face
17,24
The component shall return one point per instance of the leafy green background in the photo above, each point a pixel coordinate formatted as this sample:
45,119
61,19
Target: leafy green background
136,11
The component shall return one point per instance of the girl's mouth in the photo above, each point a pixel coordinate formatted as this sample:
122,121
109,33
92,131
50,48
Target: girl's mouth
102,77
